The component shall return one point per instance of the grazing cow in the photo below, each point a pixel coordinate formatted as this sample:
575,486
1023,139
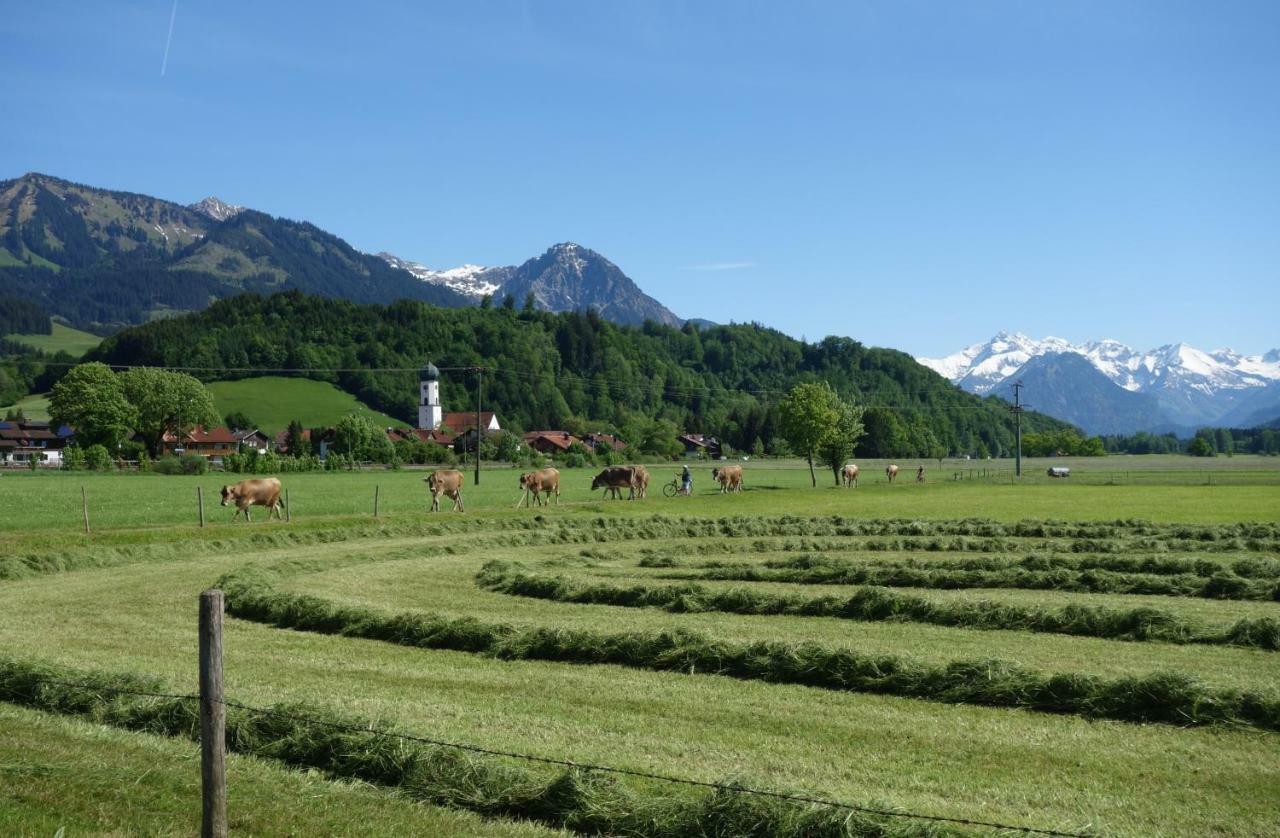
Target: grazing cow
1059,471
260,491
544,480
729,477
614,479
447,482
640,482
849,476
891,472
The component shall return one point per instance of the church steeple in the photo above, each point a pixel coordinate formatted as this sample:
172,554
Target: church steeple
430,413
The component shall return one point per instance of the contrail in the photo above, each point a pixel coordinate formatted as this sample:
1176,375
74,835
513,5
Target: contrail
164,65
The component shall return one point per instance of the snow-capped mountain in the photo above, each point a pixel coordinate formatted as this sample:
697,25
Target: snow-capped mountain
474,281
568,277
1193,387
216,209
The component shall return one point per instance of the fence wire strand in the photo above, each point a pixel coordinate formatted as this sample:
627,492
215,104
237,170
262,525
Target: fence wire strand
584,766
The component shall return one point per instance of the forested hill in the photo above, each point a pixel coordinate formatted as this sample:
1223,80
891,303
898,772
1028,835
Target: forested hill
564,370
103,259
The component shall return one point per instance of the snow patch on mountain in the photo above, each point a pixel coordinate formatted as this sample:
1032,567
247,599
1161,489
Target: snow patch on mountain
473,281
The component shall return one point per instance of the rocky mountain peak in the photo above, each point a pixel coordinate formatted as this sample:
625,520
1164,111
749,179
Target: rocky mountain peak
216,208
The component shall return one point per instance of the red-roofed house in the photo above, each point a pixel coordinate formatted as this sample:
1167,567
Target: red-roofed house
431,437
550,442
213,442
603,442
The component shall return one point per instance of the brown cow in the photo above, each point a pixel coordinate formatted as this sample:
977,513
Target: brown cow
849,476
544,480
614,479
891,472
447,482
260,491
729,477
640,482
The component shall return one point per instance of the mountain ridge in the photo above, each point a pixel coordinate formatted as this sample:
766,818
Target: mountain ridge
1191,386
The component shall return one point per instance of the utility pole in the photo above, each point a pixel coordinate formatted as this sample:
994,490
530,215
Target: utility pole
1017,409
479,430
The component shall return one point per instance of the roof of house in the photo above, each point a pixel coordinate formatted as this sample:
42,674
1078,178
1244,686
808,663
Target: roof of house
199,435
463,420
243,435
422,434
560,439
27,433
698,439
605,439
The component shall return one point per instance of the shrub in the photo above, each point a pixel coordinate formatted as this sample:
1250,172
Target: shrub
73,458
97,458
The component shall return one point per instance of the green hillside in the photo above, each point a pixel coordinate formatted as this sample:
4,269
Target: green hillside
35,407
272,402
64,339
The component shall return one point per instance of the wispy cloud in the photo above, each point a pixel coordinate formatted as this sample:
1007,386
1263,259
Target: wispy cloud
719,266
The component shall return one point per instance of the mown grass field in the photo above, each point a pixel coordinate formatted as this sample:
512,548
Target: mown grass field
62,339
274,401
123,600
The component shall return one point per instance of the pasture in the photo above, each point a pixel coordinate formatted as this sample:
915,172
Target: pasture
63,338
889,646
272,402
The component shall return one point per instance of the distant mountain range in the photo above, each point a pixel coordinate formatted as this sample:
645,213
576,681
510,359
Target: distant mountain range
568,277
1179,387
105,259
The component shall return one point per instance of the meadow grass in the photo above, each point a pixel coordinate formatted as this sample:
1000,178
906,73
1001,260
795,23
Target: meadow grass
124,599
272,402
62,339
60,773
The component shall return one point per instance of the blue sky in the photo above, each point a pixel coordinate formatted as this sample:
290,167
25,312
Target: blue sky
916,175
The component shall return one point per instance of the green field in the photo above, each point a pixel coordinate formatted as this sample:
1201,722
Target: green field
272,402
35,407
122,600
63,339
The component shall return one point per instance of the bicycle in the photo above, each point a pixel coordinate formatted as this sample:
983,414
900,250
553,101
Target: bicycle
674,488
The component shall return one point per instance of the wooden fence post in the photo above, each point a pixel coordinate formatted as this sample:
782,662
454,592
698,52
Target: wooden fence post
84,507
288,507
200,503
375,500
213,720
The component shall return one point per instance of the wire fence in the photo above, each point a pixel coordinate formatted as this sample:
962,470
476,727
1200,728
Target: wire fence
583,766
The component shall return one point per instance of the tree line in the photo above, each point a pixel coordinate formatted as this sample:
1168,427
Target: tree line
576,372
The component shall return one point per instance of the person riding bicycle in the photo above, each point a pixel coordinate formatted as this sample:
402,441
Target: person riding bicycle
686,481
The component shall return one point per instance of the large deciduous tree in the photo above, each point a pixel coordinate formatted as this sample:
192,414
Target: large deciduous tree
91,399
807,416
837,444
166,402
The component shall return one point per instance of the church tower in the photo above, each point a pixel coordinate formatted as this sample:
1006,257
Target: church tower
430,414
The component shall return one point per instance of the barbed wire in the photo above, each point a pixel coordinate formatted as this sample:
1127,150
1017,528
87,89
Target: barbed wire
584,766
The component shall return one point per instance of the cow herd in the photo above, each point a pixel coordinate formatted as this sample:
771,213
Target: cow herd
534,486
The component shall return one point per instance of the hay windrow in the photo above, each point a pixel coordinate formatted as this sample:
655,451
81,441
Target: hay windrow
879,604
1163,697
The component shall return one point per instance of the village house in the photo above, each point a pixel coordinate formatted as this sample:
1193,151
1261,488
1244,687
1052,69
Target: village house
550,442
430,437
597,442
254,440
214,443
700,446
21,442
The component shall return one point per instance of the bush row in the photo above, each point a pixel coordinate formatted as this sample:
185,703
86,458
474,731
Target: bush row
1167,697
879,605
806,571
581,800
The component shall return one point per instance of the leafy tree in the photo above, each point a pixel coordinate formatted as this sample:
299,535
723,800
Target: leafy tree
91,399
837,444
238,421
97,458
294,439
808,414
356,436
1201,447
166,402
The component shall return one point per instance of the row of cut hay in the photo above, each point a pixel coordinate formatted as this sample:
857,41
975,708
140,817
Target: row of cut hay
1165,697
1249,567
300,735
880,604
825,571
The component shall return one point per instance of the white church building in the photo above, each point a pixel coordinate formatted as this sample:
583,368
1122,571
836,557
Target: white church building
431,415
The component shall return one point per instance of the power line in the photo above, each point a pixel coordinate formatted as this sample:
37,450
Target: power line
584,766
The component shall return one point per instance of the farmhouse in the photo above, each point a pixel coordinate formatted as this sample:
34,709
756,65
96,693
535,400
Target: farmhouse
22,442
254,440
596,442
212,442
550,442
698,445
